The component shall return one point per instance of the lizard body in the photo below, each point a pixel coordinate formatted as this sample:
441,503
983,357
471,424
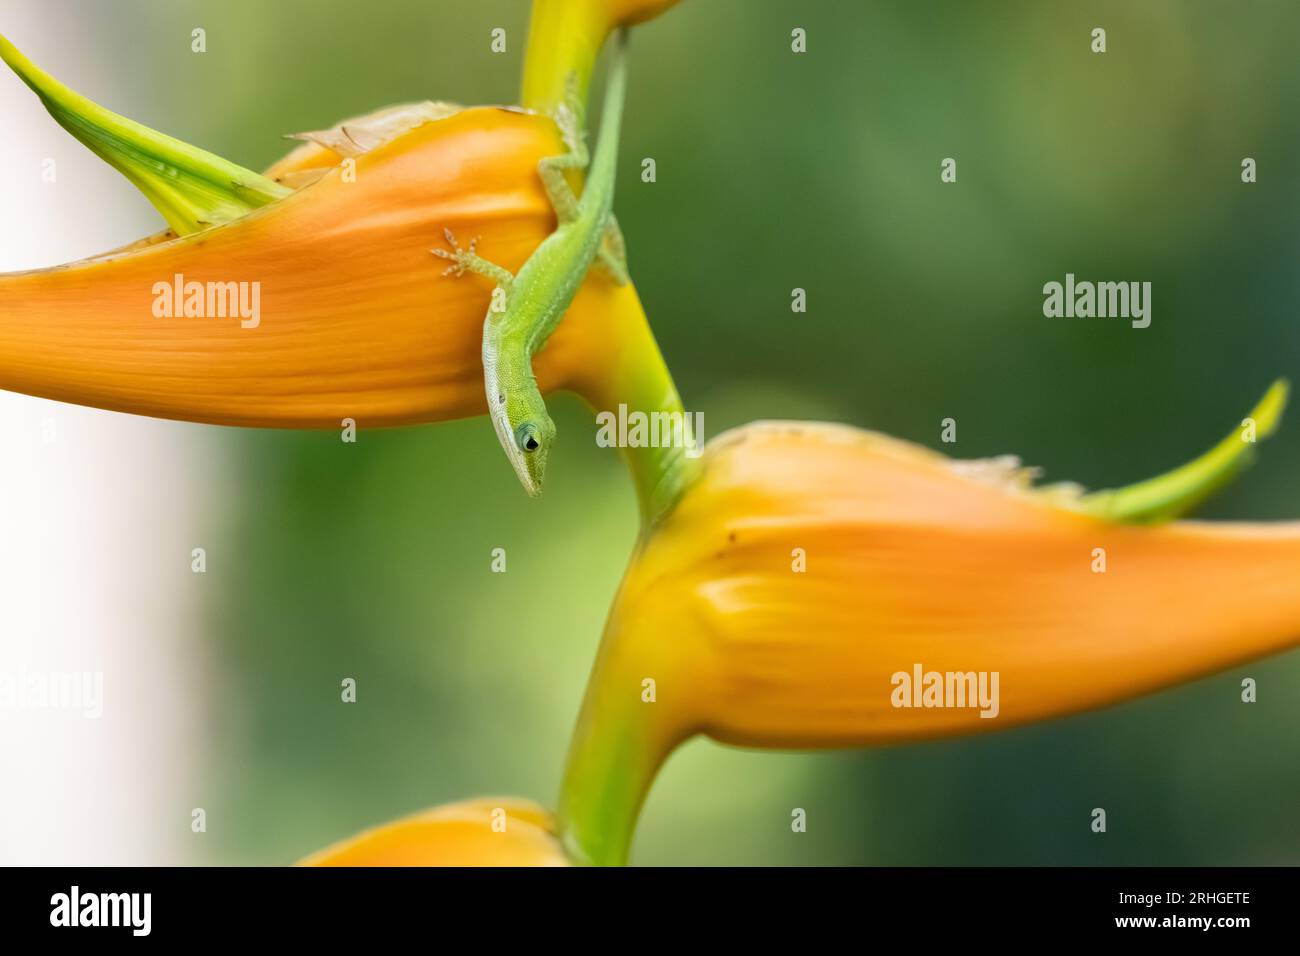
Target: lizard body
536,299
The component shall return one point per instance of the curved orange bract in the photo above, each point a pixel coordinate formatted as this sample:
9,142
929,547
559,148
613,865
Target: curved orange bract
809,565
356,318
909,561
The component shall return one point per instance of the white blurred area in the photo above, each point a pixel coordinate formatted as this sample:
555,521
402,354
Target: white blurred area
98,514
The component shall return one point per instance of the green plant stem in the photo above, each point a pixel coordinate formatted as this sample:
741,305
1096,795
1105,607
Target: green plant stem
620,742
605,782
564,39
633,374
616,750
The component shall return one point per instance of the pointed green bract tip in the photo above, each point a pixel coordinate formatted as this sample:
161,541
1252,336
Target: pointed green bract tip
1268,413
1177,492
192,188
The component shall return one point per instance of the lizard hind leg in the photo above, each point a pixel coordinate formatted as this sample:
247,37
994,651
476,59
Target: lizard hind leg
612,254
552,169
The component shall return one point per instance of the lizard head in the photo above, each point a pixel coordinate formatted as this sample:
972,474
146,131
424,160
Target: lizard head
515,405
526,433
533,438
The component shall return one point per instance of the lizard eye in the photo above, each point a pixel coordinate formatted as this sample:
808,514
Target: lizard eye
528,437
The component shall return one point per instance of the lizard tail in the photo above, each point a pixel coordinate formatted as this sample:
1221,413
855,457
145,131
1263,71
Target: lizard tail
611,118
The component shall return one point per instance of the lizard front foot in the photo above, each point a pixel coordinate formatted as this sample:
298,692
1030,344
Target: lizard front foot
461,259
468,260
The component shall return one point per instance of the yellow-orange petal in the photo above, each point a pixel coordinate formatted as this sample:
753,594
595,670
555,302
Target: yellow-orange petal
808,565
486,831
356,318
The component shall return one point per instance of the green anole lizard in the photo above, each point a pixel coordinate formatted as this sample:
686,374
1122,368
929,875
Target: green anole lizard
536,299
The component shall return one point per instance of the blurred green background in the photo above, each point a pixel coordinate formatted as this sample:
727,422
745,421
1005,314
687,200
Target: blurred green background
775,170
